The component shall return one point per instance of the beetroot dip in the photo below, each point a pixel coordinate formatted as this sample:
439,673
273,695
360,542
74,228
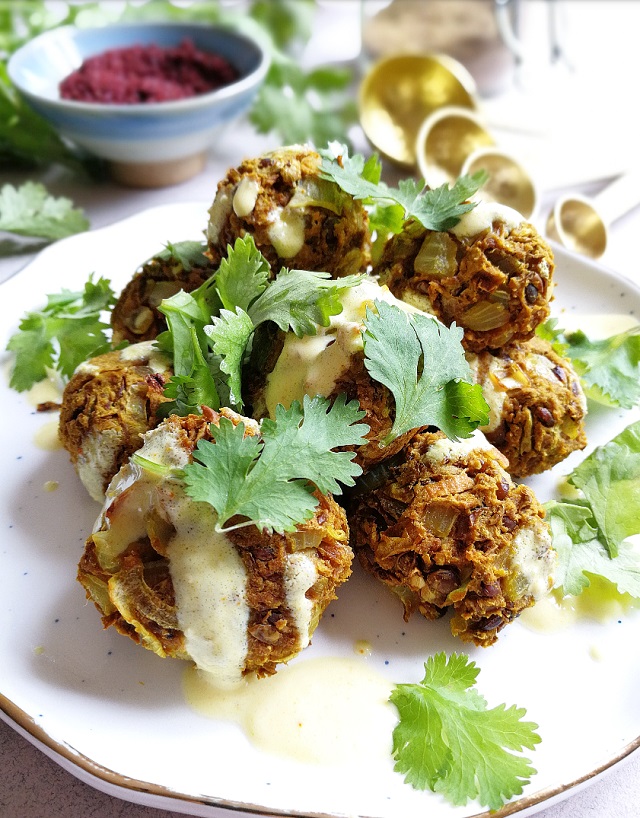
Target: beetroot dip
147,73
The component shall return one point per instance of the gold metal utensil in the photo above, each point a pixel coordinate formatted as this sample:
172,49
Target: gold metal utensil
581,223
399,92
445,140
509,181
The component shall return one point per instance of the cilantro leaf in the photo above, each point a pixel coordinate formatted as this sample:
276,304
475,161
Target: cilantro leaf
270,482
438,209
229,335
304,107
422,363
610,481
589,533
211,327
581,554
242,275
610,368
449,742
67,331
188,254
298,300
31,211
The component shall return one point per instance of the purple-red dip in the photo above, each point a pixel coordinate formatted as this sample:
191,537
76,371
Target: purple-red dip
147,73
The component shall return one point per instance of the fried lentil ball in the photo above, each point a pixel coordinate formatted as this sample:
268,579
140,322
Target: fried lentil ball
284,368
234,602
296,219
491,274
107,405
537,405
447,529
135,316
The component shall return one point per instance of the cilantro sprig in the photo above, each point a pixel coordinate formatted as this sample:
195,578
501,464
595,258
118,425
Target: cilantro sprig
449,742
210,329
422,363
590,533
609,368
61,335
31,211
437,209
269,481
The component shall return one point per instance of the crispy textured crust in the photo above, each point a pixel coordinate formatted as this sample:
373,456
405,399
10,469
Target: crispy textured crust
135,316
544,408
337,243
442,536
137,596
114,400
508,272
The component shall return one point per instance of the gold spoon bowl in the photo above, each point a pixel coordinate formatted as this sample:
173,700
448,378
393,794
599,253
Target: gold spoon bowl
399,92
445,139
509,181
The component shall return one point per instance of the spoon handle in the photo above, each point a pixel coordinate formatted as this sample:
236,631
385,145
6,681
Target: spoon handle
619,197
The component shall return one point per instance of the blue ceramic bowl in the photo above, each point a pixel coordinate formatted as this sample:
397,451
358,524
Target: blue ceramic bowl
140,134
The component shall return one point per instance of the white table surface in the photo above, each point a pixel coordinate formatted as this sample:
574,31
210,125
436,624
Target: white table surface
33,786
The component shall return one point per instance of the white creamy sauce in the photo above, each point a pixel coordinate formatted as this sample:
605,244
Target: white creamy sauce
534,559
482,216
300,574
321,711
97,460
246,196
218,215
47,437
286,232
597,327
86,368
47,390
209,580
444,450
146,354
311,365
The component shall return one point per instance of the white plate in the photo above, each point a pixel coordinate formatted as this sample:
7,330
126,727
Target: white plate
115,715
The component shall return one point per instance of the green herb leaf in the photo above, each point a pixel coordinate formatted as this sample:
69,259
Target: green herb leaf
589,533
438,209
422,363
188,254
62,335
609,368
298,300
30,211
304,107
211,327
229,336
581,554
449,742
269,482
242,275
610,481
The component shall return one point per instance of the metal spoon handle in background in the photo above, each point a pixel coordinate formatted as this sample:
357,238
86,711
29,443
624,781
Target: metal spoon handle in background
582,223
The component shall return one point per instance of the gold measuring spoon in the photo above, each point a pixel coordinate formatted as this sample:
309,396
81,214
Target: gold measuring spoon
399,92
581,223
445,140
509,181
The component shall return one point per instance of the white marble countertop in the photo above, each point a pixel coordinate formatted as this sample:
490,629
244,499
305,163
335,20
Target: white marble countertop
33,786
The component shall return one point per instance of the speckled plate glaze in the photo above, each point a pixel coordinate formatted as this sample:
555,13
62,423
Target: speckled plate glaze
115,715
